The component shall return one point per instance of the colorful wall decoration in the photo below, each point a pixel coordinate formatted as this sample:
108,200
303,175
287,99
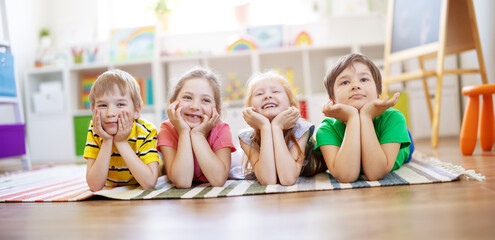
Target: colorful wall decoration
303,39
241,44
267,36
132,43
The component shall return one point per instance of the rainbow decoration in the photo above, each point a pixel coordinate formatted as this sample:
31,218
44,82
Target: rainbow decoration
133,43
303,39
241,44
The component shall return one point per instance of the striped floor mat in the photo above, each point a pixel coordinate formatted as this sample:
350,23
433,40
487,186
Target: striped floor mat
67,183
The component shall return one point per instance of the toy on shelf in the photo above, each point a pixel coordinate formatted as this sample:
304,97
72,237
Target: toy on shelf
86,83
241,44
92,54
303,39
233,89
77,53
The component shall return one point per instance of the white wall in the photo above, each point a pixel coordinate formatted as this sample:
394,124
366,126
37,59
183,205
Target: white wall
75,22
485,10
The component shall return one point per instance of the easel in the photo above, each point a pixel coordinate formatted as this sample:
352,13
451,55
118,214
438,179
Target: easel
457,32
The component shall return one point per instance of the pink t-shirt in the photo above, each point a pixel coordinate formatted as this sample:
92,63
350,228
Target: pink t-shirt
219,137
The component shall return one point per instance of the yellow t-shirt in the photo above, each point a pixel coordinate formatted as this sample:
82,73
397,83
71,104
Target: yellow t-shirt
142,140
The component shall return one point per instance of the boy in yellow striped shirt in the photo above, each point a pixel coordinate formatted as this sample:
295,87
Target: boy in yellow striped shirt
120,147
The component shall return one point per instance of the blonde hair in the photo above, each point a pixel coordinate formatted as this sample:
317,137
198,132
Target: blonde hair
203,73
269,75
288,134
115,77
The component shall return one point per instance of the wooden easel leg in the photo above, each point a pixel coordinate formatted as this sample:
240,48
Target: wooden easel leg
436,112
427,91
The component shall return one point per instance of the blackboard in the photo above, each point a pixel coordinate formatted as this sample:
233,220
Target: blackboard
415,23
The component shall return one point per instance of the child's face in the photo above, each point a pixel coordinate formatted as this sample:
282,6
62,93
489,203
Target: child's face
355,86
110,105
269,98
196,98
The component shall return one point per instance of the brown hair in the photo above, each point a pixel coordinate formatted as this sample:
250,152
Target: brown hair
115,77
203,73
346,61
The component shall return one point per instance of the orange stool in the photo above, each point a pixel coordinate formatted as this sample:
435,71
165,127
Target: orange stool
469,127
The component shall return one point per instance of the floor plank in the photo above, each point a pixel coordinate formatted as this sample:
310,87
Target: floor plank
455,210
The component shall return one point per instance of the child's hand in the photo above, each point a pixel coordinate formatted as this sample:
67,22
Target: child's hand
287,118
339,111
376,107
125,124
208,123
254,119
97,127
174,114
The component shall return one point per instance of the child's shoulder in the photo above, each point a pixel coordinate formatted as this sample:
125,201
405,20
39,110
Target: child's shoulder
144,125
391,113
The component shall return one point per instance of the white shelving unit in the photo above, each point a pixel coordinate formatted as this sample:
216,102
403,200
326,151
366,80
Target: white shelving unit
306,63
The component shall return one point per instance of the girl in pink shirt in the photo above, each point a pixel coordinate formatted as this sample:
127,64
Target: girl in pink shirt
196,145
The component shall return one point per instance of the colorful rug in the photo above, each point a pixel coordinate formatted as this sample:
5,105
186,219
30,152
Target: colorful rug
67,183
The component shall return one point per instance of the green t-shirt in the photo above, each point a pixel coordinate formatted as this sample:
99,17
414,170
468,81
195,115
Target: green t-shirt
389,127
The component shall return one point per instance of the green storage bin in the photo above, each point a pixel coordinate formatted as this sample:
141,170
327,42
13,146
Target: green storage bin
81,126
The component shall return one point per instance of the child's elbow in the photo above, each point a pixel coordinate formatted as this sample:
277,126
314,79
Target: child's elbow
218,183
374,177
267,181
347,179
183,184
287,180
95,188
148,186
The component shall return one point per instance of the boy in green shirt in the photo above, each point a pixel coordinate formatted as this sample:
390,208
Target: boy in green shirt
362,132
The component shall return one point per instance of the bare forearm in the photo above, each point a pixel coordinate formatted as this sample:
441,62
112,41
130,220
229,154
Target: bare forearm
181,170
285,164
347,164
144,175
374,160
265,167
97,172
215,169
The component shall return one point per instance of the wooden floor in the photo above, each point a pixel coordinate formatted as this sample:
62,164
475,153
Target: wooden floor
457,210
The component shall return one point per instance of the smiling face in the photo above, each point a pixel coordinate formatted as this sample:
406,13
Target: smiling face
196,98
355,86
110,105
269,98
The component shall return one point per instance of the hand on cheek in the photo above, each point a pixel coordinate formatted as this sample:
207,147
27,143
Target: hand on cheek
174,112
125,124
98,127
208,123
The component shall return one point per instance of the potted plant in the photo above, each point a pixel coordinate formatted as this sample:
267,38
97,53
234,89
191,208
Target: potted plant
163,10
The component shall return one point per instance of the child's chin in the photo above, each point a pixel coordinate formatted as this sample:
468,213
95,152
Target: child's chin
192,124
111,131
